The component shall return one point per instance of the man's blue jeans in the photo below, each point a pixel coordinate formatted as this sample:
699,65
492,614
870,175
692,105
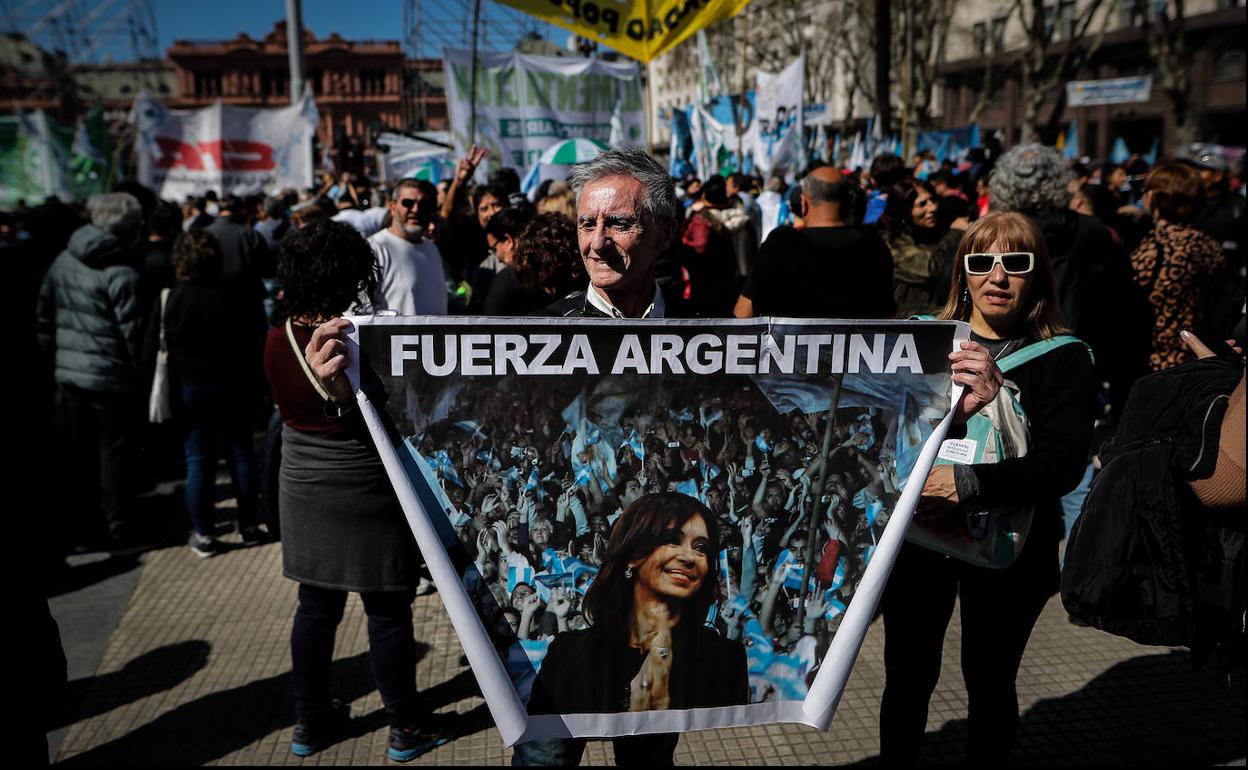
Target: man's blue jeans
218,414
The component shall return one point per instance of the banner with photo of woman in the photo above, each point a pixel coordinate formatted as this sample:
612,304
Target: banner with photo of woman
656,525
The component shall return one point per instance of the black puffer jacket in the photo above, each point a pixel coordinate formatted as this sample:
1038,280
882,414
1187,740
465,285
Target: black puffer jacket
1145,560
89,315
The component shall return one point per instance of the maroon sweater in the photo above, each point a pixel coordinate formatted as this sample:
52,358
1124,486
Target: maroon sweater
301,406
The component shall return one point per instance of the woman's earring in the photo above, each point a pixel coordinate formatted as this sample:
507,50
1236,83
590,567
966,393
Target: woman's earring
628,572
966,296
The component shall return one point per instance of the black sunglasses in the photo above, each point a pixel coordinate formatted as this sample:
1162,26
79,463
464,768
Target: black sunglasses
408,203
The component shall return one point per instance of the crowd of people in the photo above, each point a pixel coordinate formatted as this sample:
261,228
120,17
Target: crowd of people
241,294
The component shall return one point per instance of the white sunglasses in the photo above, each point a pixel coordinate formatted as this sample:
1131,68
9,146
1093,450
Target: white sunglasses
1012,262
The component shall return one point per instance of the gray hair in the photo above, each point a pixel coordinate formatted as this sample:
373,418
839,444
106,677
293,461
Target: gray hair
660,201
1029,177
116,213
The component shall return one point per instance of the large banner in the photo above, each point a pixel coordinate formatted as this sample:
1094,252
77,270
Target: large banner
653,526
227,149
642,29
778,141
524,104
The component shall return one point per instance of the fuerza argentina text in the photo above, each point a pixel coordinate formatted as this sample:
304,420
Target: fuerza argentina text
441,355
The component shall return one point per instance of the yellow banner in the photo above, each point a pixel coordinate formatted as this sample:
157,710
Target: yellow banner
642,29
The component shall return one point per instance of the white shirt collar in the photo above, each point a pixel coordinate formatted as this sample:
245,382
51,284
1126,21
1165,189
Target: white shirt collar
657,308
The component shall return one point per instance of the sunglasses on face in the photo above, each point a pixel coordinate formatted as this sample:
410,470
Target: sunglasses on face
1012,262
409,203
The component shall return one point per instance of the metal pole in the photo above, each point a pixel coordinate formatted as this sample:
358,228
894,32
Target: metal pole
294,48
905,110
738,115
816,492
472,114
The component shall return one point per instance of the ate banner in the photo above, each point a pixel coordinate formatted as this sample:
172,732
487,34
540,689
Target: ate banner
223,148
656,525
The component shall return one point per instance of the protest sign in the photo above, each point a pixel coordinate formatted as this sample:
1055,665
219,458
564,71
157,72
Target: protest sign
525,104
778,142
524,453
1089,93
224,148
39,157
641,29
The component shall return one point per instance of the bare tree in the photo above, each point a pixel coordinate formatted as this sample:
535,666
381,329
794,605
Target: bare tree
1049,59
1165,32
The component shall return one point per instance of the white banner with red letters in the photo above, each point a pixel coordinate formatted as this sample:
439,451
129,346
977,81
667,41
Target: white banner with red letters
223,148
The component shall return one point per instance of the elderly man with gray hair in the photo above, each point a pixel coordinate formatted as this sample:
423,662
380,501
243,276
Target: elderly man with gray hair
88,321
626,215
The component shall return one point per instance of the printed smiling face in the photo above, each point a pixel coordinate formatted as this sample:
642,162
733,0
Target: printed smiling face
675,570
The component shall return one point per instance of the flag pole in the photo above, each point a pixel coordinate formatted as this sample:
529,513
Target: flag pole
472,113
816,493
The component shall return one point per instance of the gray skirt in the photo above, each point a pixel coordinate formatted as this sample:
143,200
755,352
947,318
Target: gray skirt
342,526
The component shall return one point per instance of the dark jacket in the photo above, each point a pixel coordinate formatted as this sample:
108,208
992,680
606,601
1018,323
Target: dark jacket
89,315
213,335
1144,559
588,672
246,258
1098,297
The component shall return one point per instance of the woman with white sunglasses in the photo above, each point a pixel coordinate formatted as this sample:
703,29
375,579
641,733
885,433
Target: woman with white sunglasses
1003,286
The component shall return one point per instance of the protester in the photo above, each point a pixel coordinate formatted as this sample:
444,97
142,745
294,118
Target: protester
155,260
247,259
273,222
545,267
215,338
89,329
558,199
920,247
710,236
342,528
1008,306
366,221
412,281
194,213
1176,265
1223,216
1095,281
495,290
832,268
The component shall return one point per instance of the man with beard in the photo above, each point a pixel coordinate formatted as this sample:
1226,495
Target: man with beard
412,278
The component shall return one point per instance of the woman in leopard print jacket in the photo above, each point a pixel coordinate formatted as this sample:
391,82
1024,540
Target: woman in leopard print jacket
1175,263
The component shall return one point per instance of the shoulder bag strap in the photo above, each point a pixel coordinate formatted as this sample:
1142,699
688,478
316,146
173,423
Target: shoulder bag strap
307,370
1037,349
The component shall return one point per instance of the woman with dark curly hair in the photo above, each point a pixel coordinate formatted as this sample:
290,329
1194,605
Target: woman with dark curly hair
214,337
547,260
342,527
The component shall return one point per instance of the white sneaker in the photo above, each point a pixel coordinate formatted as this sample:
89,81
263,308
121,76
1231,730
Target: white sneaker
425,586
203,546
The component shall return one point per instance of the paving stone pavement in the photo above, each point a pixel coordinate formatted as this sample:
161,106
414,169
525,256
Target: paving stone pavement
198,672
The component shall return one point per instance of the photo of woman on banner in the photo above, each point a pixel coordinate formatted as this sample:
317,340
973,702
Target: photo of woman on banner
648,646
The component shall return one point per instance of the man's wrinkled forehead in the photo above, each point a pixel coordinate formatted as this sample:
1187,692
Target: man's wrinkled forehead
611,196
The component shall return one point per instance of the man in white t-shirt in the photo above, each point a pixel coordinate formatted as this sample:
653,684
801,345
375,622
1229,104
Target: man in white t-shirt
413,281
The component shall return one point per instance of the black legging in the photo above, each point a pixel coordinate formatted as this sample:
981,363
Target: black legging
392,651
999,609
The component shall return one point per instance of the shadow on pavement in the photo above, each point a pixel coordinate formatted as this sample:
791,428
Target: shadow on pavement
220,723
69,577
150,673
1150,710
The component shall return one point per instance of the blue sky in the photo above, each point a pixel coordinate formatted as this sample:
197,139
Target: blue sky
218,19
353,19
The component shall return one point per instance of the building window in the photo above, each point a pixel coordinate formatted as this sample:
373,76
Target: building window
1228,64
208,84
998,33
979,37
